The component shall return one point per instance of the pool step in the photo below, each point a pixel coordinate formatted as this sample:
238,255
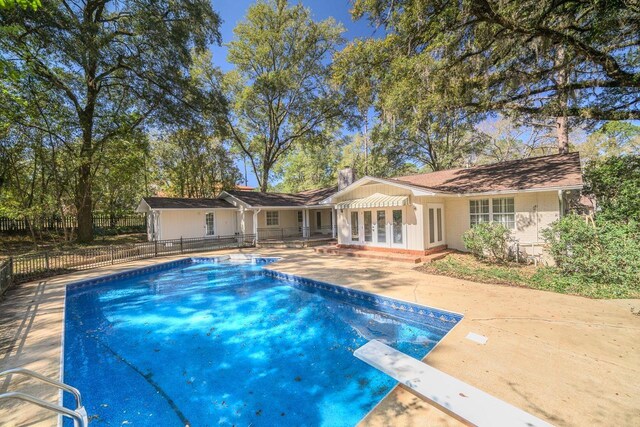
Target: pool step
453,396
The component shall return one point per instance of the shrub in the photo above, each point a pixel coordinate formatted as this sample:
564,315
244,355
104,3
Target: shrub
488,241
604,252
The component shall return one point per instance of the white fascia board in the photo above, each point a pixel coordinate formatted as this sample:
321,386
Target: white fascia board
234,200
415,190
143,207
297,208
503,192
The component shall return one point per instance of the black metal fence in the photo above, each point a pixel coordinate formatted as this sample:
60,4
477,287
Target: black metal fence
101,222
5,275
50,263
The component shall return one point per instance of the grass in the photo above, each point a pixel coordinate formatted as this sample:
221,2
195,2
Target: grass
465,266
12,245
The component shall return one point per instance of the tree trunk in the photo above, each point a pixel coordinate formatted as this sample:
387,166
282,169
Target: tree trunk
84,199
84,205
264,181
562,125
562,129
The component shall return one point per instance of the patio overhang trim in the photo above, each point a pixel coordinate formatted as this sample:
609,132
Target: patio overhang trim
374,201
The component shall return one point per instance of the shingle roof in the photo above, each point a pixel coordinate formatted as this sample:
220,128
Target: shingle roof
559,170
185,203
304,198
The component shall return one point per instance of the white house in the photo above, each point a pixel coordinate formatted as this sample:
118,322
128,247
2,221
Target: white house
268,216
419,214
415,214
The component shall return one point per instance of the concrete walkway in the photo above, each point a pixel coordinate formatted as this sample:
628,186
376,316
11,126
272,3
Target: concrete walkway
568,360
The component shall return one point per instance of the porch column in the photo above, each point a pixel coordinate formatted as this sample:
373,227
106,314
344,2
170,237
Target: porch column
255,224
334,226
305,223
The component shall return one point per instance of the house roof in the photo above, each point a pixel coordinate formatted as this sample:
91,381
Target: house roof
304,198
185,203
554,171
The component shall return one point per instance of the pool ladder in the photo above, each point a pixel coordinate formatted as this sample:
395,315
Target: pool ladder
79,415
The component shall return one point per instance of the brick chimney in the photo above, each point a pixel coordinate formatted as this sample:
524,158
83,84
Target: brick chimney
346,177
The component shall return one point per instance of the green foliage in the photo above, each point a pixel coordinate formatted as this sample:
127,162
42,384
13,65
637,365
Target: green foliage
194,163
539,57
615,184
89,74
543,278
488,240
279,93
612,139
606,252
24,4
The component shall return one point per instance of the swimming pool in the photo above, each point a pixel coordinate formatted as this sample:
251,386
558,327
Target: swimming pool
217,342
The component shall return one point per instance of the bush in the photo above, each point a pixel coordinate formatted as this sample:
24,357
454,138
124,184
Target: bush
488,241
604,252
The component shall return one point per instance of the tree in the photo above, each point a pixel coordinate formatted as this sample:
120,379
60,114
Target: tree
310,165
279,92
510,140
615,184
112,66
612,139
194,163
544,58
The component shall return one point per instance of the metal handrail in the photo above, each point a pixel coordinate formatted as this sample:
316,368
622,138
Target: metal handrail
79,415
30,373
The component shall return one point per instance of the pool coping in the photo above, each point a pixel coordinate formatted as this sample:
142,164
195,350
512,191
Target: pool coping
387,304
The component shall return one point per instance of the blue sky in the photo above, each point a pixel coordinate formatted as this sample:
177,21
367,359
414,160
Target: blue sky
234,11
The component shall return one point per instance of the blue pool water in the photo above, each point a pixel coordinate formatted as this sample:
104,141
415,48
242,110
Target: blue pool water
215,343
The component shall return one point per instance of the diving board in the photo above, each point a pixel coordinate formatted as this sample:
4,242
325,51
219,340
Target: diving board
454,396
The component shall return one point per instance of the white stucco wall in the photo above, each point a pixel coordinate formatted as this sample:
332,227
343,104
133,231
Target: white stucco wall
191,223
534,212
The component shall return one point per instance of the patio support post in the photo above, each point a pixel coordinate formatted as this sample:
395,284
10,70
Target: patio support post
305,223
334,226
255,224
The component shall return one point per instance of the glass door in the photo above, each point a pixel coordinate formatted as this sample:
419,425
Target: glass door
397,228
368,227
355,227
435,214
381,228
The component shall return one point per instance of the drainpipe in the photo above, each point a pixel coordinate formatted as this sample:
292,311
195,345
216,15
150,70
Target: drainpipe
561,203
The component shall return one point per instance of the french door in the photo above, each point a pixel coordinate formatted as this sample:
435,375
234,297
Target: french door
378,227
435,217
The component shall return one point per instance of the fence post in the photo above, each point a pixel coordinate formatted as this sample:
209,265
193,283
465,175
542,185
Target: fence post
10,270
46,260
181,251
155,246
112,257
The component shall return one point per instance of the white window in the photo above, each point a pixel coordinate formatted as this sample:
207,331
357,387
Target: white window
210,223
504,212
273,218
478,211
501,211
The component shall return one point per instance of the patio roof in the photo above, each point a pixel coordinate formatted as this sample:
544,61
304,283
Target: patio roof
374,201
259,199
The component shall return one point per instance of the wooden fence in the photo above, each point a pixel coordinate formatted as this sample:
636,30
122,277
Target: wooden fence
50,263
132,222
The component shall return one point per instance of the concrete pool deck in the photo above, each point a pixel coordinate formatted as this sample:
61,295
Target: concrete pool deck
570,360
